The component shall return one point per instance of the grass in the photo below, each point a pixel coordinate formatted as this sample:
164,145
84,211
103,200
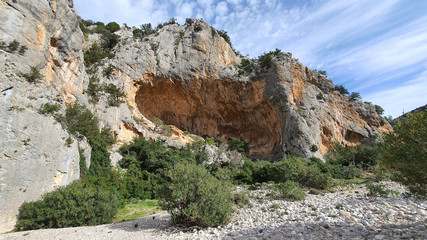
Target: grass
137,209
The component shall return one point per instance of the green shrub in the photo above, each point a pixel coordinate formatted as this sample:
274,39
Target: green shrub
245,67
195,197
238,144
341,89
49,109
115,95
314,148
323,72
241,199
355,96
93,89
112,27
379,110
198,27
265,60
23,49
13,46
377,190
2,45
290,190
33,75
320,96
210,141
298,170
165,128
405,152
81,122
71,206
108,70
224,35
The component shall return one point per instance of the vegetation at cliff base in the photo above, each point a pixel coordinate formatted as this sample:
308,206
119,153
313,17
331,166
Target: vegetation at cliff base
405,152
71,206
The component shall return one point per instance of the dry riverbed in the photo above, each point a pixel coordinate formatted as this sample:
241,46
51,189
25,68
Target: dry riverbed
347,213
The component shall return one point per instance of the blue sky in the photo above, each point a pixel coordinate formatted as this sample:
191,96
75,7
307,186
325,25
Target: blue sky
377,48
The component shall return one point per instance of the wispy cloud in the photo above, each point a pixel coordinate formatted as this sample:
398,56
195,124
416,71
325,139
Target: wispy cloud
375,47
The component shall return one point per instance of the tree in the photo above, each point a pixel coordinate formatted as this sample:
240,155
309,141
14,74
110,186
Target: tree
341,89
405,151
379,110
112,27
355,96
323,72
193,196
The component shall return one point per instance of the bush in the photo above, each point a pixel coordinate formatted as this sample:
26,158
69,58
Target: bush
23,49
245,67
198,27
33,75
195,197
379,110
323,72
377,190
355,96
298,170
341,89
241,199
115,95
265,60
13,46
405,152
93,89
314,148
112,27
290,190
71,206
238,144
49,109
224,35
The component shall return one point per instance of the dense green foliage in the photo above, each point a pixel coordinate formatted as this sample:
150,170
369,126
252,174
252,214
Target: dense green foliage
193,196
238,145
355,96
115,95
265,60
405,151
108,41
245,67
93,89
379,110
33,75
305,172
72,206
81,122
49,108
341,89
290,190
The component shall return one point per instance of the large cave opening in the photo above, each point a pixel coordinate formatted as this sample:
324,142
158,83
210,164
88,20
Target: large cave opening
218,108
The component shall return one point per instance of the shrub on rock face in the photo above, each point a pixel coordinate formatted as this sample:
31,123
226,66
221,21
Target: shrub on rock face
193,196
71,206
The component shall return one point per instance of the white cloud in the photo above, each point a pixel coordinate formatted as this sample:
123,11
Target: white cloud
402,98
221,8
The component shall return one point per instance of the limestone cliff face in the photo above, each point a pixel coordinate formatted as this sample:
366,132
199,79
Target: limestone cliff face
35,157
191,81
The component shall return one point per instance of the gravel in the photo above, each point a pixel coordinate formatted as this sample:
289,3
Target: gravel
347,213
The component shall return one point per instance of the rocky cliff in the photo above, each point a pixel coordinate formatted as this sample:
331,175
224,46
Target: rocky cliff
35,157
186,75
